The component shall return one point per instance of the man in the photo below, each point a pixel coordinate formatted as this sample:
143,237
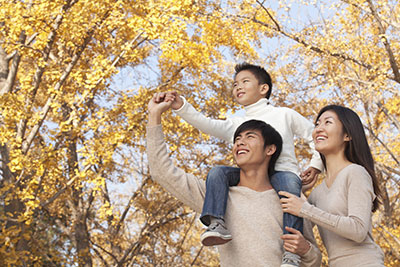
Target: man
254,214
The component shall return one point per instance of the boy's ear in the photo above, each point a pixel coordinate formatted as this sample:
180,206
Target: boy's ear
264,89
270,150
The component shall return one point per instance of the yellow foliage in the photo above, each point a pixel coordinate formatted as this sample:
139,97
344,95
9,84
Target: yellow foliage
74,179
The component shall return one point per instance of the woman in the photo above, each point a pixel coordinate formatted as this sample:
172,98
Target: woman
343,203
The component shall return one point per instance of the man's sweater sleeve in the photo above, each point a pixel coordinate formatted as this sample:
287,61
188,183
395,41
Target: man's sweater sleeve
222,129
313,257
184,186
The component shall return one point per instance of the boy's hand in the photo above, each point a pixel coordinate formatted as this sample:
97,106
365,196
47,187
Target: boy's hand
309,178
178,102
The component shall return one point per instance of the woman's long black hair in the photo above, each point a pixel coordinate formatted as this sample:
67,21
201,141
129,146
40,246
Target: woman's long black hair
357,149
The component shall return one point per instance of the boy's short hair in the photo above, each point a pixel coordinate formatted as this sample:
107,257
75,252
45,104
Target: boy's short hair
259,72
270,137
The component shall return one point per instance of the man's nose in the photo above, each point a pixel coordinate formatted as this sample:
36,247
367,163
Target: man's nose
240,142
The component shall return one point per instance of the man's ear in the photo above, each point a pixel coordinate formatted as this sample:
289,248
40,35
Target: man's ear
264,89
270,149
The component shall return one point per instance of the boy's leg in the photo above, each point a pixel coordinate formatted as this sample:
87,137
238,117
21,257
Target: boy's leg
289,182
217,188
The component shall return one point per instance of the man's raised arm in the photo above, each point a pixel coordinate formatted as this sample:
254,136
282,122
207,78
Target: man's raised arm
184,186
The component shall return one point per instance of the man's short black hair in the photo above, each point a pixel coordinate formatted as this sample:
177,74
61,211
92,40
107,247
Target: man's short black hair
270,136
260,73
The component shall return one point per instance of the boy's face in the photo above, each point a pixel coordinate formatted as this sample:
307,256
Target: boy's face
247,90
248,149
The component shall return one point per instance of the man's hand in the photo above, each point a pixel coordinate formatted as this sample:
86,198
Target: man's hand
158,104
291,203
309,178
295,242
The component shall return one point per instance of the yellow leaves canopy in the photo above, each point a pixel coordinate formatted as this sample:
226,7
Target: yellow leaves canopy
72,138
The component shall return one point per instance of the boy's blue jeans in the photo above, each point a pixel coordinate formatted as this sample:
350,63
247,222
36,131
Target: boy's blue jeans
221,177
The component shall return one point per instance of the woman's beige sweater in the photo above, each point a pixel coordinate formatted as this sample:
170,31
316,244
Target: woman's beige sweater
343,215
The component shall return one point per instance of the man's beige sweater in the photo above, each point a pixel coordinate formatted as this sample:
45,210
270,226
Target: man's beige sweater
254,218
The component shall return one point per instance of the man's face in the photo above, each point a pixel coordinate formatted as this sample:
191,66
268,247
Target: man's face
248,149
246,89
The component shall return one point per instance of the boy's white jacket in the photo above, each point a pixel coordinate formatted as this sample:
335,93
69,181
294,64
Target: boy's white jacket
286,121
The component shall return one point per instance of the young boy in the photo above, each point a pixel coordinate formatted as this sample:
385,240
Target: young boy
252,88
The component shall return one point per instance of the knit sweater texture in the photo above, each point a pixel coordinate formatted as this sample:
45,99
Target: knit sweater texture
286,121
343,215
254,218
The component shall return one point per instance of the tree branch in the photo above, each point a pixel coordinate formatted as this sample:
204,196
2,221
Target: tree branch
392,118
64,76
385,41
382,143
62,190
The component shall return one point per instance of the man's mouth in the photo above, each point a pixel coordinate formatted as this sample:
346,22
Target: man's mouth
241,151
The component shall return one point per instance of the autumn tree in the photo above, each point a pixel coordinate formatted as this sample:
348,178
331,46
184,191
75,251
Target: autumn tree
74,184
70,143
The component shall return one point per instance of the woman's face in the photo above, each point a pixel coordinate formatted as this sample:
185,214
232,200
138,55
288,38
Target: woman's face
328,134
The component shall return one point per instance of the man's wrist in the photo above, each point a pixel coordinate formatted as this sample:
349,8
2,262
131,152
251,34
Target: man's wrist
154,118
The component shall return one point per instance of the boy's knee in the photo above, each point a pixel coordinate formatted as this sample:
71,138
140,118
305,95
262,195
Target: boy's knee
290,182
216,172
293,186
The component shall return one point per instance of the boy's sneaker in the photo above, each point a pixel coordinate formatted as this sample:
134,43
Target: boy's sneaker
290,259
216,234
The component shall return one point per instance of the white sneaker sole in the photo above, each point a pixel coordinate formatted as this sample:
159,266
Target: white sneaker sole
214,239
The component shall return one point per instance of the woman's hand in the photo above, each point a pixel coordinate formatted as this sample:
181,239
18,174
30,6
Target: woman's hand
291,203
295,242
